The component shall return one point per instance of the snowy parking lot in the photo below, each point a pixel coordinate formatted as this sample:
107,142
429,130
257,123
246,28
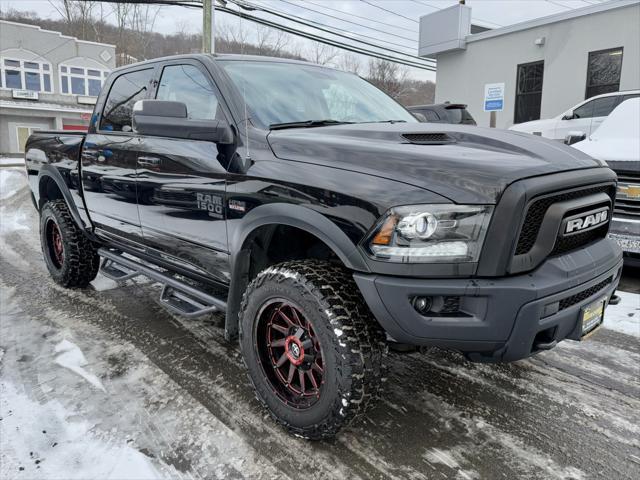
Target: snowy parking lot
104,383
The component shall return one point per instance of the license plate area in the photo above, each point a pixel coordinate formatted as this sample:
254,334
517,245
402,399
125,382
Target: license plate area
591,317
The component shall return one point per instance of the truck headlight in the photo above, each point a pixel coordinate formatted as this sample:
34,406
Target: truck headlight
430,233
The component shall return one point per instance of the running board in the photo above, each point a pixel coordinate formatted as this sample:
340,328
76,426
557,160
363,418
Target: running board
176,296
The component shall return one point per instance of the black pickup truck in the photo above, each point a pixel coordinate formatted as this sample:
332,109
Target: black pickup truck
326,222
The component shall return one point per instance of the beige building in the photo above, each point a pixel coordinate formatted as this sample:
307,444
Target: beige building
47,81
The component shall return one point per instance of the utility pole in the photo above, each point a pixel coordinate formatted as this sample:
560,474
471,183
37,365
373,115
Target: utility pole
208,26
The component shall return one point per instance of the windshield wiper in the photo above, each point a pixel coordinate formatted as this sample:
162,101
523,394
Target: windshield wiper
306,124
388,121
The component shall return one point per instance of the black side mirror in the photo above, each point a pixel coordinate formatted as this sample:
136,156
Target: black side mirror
574,137
161,118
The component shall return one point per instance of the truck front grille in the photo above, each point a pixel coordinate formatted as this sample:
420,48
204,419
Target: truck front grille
628,197
537,211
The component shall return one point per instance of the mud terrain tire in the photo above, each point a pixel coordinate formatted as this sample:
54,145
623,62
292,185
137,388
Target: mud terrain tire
70,257
351,344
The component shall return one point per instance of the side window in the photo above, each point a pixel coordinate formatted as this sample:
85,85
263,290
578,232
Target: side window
600,107
584,111
430,115
187,84
603,106
125,92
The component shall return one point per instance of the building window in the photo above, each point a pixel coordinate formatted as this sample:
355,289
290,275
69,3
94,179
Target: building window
603,72
24,75
528,92
81,81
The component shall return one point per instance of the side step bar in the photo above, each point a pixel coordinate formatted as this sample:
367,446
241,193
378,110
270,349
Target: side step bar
176,296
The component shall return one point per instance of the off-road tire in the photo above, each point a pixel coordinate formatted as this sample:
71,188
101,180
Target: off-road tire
353,345
81,260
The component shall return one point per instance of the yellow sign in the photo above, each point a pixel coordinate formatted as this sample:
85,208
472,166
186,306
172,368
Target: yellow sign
629,191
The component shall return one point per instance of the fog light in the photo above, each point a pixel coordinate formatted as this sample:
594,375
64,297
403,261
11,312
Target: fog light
422,304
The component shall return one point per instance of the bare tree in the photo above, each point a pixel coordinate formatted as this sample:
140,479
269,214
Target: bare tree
322,54
142,20
79,15
388,76
350,63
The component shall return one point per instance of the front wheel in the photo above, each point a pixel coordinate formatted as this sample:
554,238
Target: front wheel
314,353
70,257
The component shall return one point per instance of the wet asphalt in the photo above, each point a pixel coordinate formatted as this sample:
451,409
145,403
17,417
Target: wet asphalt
570,413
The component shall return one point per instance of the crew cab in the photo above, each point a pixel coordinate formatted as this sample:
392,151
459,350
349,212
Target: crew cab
326,223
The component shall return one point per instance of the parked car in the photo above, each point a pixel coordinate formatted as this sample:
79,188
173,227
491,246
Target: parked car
617,141
456,113
585,117
326,222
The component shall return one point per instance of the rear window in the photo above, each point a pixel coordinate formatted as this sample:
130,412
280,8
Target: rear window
430,115
460,115
125,92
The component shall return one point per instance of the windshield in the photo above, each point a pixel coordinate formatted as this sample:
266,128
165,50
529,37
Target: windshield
279,93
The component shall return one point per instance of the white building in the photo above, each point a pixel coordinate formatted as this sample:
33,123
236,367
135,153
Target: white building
547,65
47,81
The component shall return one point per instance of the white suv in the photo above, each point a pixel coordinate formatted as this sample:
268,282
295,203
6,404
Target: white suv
585,117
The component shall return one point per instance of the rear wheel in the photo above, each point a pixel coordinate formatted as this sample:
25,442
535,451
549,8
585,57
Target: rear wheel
314,353
70,257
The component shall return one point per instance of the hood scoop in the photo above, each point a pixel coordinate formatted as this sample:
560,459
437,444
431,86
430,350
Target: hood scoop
429,138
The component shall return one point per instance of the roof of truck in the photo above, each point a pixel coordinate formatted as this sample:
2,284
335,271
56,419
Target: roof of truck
220,56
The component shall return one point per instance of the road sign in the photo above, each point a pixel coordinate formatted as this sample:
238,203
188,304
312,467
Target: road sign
494,97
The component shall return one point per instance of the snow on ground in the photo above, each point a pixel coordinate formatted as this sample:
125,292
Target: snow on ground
11,181
50,442
624,317
11,161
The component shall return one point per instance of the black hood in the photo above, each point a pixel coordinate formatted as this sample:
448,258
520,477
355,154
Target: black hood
466,164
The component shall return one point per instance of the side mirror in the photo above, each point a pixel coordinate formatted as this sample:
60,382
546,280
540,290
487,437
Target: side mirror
568,116
574,137
161,118
419,116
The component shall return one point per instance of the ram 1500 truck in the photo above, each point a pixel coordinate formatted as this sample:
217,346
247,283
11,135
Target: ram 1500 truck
326,222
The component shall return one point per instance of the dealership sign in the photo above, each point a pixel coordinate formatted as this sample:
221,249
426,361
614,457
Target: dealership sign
25,94
493,97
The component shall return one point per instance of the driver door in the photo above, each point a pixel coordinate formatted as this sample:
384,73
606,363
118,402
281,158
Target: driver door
181,182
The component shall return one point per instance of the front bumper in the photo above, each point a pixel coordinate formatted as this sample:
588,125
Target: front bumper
626,233
498,319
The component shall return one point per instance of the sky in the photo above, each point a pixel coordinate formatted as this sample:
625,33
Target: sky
393,23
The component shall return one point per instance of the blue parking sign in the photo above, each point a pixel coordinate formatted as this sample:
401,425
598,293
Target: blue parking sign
494,97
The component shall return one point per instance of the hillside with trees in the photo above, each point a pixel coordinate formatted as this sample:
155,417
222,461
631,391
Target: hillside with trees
132,28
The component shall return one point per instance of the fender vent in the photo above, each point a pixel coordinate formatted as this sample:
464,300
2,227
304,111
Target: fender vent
428,138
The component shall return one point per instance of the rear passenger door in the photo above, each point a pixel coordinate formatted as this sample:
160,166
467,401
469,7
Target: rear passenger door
109,157
181,182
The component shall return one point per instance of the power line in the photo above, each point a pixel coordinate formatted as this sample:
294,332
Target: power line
389,11
352,15
349,21
285,28
440,8
321,26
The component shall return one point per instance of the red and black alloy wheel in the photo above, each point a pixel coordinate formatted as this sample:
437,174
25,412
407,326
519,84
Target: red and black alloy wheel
55,243
290,353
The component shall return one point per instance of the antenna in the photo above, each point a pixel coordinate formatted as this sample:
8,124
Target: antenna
244,93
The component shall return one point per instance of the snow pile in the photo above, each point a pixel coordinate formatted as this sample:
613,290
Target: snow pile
71,357
46,441
11,161
11,180
624,317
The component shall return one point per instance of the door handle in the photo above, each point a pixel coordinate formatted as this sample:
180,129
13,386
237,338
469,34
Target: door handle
148,161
